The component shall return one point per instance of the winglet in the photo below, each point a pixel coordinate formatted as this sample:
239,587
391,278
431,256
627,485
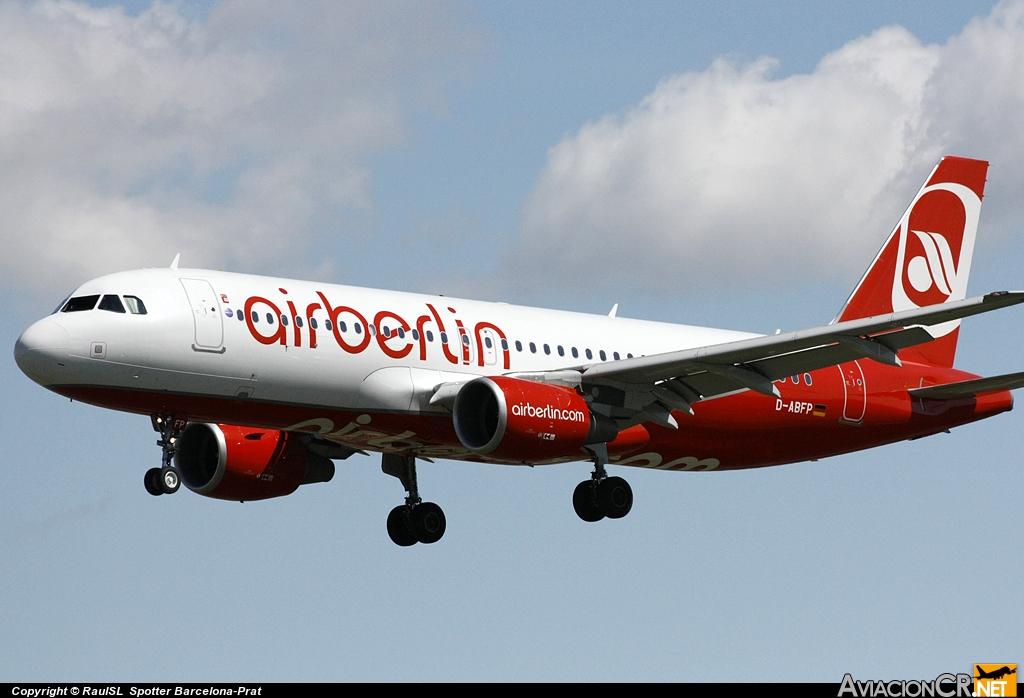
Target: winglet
174,264
615,309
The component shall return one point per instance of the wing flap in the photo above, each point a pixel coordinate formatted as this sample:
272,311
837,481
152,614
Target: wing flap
970,388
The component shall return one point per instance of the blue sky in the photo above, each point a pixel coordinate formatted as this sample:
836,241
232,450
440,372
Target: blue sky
441,147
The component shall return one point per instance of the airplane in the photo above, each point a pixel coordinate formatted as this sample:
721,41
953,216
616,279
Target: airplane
995,674
256,385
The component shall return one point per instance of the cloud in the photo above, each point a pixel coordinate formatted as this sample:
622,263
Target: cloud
232,138
732,175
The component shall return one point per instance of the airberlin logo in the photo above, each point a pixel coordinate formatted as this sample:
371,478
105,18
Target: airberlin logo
935,268
281,321
936,242
548,412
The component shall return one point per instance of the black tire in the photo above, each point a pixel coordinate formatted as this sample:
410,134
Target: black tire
152,482
398,527
427,522
614,497
585,503
170,479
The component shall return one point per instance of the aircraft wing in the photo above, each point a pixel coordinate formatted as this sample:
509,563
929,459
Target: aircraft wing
674,380
970,388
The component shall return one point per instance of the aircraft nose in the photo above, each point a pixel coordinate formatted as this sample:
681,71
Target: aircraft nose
41,351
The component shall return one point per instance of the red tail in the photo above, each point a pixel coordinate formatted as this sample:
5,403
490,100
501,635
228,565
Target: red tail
927,258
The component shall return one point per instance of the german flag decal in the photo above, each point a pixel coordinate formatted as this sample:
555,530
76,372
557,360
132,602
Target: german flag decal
819,410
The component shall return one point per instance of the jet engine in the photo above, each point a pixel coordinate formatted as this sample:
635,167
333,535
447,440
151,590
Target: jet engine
246,464
521,420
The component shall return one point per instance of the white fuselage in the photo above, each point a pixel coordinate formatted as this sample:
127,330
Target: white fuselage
191,341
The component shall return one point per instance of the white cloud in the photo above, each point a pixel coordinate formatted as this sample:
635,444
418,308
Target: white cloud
732,175
228,138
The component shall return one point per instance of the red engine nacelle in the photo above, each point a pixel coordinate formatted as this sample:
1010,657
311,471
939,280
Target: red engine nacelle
519,420
246,464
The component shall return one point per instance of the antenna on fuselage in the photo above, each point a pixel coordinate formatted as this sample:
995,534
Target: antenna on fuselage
174,264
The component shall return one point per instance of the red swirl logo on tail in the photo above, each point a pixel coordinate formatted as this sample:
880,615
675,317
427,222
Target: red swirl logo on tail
933,240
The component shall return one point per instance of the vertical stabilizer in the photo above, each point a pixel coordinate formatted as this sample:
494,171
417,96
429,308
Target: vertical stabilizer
927,258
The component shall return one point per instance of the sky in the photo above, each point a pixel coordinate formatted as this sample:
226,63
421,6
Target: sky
730,164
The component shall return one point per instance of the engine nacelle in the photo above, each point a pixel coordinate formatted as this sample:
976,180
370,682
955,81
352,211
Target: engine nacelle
245,464
520,420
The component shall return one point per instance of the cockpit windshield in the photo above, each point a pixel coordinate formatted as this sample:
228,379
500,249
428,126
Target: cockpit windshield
110,302
135,305
80,303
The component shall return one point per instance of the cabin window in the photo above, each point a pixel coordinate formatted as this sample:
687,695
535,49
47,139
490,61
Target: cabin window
488,343
547,350
519,345
575,353
561,351
136,306
329,326
796,380
357,326
284,320
386,331
430,336
807,378
77,305
312,322
270,318
298,321
604,357
444,338
255,317
415,336
615,355
590,354
504,344
629,356
240,316
401,333
533,348
465,339
372,329
111,303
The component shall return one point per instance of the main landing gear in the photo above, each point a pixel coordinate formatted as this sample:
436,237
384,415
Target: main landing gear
166,479
601,496
415,521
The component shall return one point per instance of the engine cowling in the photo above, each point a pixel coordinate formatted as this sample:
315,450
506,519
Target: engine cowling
245,464
520,420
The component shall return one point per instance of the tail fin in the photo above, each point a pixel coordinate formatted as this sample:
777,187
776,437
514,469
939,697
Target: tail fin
927,258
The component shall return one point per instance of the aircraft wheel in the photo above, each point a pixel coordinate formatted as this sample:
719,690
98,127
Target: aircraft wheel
614,497
152,481
398,527
584,503
170,479
427,522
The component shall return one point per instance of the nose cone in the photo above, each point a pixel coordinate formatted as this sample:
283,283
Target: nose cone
41,351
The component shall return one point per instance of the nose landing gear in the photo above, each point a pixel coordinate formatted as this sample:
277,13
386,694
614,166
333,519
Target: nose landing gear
166,479
601,496
415,521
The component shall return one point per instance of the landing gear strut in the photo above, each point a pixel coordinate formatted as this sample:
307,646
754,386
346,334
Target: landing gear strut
415,521
166,479
601,496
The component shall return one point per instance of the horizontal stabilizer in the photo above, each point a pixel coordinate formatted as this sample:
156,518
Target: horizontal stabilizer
971,387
